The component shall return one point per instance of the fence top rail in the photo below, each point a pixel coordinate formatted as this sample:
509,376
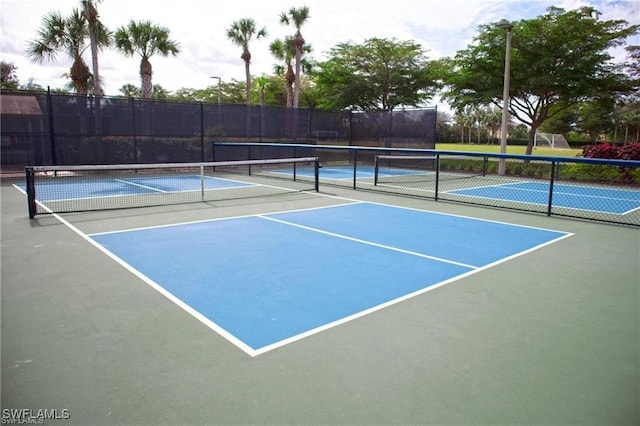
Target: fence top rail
171,165
424,151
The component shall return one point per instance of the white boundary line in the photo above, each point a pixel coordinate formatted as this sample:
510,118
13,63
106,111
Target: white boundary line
255,352
384,305
206,321
370,243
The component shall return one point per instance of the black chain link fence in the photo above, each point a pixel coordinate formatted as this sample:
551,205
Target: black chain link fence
596,189
58,129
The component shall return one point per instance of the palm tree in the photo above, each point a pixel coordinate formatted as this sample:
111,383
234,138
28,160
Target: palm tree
298,17
68,35
146,40
284,51
99,36
240,33
262,83
129,90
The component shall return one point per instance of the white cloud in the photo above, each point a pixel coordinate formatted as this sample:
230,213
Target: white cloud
441,26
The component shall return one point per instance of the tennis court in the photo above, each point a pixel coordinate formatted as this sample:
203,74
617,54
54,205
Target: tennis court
582,197
305,307
589,198
280,304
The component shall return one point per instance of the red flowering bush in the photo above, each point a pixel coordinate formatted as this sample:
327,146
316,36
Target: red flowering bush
630,151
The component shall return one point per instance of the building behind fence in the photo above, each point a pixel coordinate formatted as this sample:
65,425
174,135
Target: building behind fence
59,129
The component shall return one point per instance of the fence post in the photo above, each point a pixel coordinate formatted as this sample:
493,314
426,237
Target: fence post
52,137
201,132
551,181
437,176
133,129
350,127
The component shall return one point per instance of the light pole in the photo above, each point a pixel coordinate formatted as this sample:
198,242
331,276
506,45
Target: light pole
213,76
504,24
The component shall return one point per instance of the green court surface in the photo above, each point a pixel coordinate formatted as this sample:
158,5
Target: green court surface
551,337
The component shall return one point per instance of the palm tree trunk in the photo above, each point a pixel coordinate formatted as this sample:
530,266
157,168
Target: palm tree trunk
290,77
247,73
298,43
296,93
80,76
146,73
248,76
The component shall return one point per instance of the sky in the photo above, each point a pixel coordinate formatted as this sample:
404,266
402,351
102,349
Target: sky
441,27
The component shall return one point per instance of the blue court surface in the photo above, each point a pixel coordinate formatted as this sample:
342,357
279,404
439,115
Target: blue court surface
345,172
71,189
588,198
263,281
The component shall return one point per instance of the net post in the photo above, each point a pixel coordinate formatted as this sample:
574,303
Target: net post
375,170
31,191
316,172
202,182
294,164
355,162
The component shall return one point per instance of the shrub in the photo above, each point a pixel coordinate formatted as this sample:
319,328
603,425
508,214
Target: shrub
630,151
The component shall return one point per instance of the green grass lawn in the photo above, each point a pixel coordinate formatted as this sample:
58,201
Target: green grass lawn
514,149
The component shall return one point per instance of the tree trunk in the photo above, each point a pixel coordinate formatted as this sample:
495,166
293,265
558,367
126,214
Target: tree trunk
290,77
298,43
531,139
80,75
146,73
248,75
247,72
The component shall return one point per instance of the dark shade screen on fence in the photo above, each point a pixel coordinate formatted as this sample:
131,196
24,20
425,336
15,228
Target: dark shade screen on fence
59,129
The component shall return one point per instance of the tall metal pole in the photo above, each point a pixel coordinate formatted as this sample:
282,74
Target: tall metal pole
505,98
219,93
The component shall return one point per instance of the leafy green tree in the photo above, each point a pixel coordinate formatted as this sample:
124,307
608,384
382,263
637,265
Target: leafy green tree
297,17
633,64
379,74
596,117
559,59
130,90
628,107
31,85
64,34
8,77
145,39
562,122
241,33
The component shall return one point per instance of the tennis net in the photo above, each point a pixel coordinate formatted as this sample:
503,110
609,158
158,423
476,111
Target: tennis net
414,169
62,189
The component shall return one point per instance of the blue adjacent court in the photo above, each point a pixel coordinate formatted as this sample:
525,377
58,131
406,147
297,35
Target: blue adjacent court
266,280
345,172
580,197
589,198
